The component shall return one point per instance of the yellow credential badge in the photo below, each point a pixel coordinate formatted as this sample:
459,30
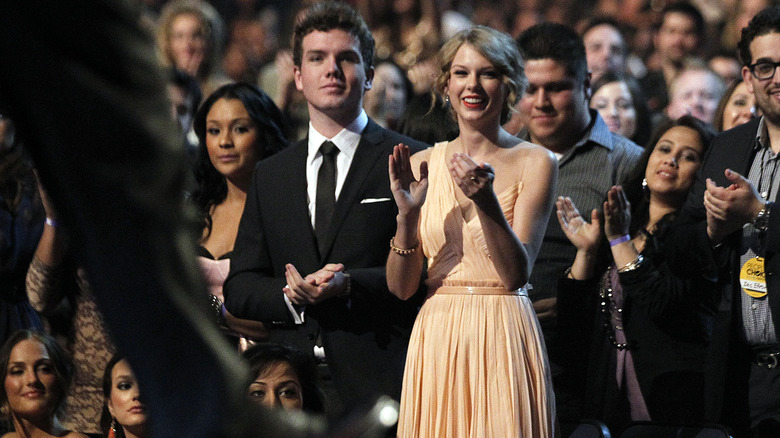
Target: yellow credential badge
752,277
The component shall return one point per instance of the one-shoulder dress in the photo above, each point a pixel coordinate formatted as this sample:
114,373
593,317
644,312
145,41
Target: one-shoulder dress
476,365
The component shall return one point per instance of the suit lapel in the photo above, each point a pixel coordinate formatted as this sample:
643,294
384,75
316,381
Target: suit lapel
363,163
297,198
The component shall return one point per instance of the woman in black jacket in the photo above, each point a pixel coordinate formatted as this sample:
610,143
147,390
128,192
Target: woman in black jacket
638,332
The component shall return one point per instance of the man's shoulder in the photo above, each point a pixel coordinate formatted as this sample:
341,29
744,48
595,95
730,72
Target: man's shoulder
625,146
744,133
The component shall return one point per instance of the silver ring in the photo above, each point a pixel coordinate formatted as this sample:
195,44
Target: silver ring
473,178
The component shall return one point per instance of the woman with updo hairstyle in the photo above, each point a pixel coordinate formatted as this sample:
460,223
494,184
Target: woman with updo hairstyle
37,374
284,377
190,35
237,126
124,413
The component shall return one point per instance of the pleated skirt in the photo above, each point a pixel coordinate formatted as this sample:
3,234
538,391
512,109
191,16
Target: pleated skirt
477,367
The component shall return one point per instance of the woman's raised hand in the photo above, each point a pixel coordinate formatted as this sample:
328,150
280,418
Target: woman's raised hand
584,236
475,180
617,213
409,193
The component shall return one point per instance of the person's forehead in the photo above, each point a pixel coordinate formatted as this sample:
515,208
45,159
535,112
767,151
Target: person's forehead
603,32
765,46
330,40
546,70
678,20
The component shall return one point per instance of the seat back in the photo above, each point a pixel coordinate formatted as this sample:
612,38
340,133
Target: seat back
649,429
585,429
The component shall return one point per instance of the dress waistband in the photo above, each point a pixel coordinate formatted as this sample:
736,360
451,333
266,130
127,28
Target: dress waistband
475,290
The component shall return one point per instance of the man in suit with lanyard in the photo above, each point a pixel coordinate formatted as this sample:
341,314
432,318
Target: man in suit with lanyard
730,228
314,237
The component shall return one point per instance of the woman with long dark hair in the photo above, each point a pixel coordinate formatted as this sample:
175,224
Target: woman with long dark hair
237,126
636,329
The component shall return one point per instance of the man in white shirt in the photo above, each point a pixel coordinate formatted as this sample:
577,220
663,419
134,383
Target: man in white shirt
314,237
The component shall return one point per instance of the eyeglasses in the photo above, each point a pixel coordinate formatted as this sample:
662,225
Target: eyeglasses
764,70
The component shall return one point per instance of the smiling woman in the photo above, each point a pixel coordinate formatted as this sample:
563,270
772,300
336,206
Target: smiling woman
638,332
37,376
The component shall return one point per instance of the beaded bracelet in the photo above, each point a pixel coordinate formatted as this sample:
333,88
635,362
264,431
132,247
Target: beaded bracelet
630,266
402,251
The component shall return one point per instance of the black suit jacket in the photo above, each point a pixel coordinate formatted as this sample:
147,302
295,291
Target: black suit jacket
365,336
728,359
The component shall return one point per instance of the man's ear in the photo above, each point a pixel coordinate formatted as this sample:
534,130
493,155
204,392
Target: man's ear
369,78
746,78
586,86
297,78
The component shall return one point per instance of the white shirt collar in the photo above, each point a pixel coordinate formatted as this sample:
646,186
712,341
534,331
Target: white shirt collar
346,140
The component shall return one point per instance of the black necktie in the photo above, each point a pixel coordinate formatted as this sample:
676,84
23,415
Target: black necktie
326,192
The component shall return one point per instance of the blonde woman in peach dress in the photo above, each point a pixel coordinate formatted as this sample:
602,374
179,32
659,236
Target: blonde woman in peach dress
476,365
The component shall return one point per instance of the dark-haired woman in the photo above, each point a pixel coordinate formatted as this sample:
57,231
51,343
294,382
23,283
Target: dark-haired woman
237,126
124,414
284,377
639,331
37,373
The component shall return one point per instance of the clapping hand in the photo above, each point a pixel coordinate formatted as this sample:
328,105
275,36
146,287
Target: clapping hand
617,213
729,208
583,235
408,192
475,180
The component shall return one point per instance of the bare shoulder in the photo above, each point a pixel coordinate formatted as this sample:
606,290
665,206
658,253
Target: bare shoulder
74,435
419,157
528,153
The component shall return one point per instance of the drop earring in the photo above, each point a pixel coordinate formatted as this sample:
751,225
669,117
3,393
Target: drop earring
645,189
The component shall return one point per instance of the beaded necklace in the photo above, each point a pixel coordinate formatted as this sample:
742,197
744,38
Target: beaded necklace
610,312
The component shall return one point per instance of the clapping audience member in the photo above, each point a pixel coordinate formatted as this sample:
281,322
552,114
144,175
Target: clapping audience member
479,227
124,415
737,106
238,125
620,103
637,331
190,35
54,277
37,373
284,377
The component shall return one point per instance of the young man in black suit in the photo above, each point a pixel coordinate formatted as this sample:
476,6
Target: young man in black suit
730,227
314,237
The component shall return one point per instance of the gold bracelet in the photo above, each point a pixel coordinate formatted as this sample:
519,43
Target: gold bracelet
630,266
401,251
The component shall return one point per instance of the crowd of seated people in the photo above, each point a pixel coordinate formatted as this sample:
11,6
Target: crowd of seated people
636,332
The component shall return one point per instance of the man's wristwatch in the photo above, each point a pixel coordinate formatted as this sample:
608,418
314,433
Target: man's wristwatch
761,221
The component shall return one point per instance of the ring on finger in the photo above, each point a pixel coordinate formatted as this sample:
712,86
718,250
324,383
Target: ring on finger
473,178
